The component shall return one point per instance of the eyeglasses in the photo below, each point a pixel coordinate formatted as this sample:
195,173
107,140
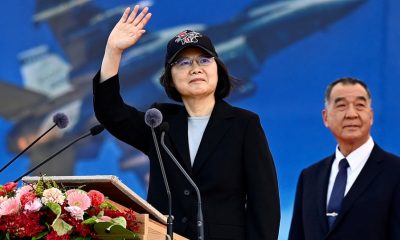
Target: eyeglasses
185,62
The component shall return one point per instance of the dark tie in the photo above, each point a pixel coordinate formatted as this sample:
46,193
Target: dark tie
337,194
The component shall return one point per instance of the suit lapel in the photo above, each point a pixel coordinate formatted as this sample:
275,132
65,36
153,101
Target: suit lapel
179,138
216,128
372,168
321,191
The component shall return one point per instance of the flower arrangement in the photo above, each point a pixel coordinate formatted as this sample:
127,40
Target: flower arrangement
47,211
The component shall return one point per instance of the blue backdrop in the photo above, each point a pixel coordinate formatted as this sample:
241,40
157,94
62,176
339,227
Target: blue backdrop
297,47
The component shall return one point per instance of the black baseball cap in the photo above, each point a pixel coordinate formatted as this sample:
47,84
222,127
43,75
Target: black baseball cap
188,38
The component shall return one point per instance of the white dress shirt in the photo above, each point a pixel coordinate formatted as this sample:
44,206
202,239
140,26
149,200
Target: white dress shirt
356,160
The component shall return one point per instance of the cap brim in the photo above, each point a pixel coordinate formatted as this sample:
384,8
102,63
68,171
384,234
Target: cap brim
190,45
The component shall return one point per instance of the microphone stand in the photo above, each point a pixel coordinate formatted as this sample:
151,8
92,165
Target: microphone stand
170,218
30,145
200,220
93,131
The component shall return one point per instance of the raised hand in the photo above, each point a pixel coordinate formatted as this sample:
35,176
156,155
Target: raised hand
125,34
129,28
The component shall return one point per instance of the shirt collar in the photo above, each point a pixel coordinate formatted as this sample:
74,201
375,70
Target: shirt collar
358,157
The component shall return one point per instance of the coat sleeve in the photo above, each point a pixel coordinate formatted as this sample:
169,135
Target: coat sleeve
263,207
394,227
296,227
121,120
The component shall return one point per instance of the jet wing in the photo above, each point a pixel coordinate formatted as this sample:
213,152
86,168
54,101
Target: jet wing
79,26
17,101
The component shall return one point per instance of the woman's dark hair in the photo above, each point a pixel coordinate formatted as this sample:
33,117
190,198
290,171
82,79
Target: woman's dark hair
223,89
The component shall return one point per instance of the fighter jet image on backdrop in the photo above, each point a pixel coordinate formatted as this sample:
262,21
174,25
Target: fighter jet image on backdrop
56,82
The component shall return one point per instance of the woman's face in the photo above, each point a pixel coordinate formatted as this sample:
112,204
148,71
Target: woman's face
195,74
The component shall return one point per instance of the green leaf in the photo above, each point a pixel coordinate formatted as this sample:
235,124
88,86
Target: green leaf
40,235
110,231
120,221
91,220
55,208
61,227
107,205
101,214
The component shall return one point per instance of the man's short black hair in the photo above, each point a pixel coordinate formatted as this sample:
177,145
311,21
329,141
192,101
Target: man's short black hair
344,81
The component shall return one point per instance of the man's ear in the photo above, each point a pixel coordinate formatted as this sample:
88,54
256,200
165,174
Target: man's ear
325,117
372,116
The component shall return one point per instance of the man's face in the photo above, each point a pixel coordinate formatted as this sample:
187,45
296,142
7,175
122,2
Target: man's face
349,114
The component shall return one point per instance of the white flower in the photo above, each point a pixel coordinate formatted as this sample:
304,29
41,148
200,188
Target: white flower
33,206
76,212
53,195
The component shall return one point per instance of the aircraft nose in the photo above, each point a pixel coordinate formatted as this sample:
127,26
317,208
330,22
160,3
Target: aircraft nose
338,5
323,12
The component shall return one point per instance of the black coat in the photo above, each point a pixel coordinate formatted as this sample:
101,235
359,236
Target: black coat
233,167
370,210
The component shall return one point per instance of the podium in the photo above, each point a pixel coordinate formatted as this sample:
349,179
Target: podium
153,225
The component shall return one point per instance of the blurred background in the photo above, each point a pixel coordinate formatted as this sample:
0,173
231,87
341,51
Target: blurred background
284,52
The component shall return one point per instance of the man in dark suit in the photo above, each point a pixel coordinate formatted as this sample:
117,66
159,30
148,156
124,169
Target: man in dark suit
355,193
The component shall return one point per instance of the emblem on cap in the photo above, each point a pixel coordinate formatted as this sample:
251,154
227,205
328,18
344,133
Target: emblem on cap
187,36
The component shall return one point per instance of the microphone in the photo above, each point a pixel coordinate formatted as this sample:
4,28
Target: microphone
200,221
153,118
60,120
92,132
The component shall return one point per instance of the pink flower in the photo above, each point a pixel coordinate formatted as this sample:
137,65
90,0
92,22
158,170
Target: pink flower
25,189
2,199
26,198
9,206
79,199
71,191
33,206
23,212
96,197
75,211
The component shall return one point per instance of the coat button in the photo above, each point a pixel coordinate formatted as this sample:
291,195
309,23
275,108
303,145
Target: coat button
186,192
184,220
